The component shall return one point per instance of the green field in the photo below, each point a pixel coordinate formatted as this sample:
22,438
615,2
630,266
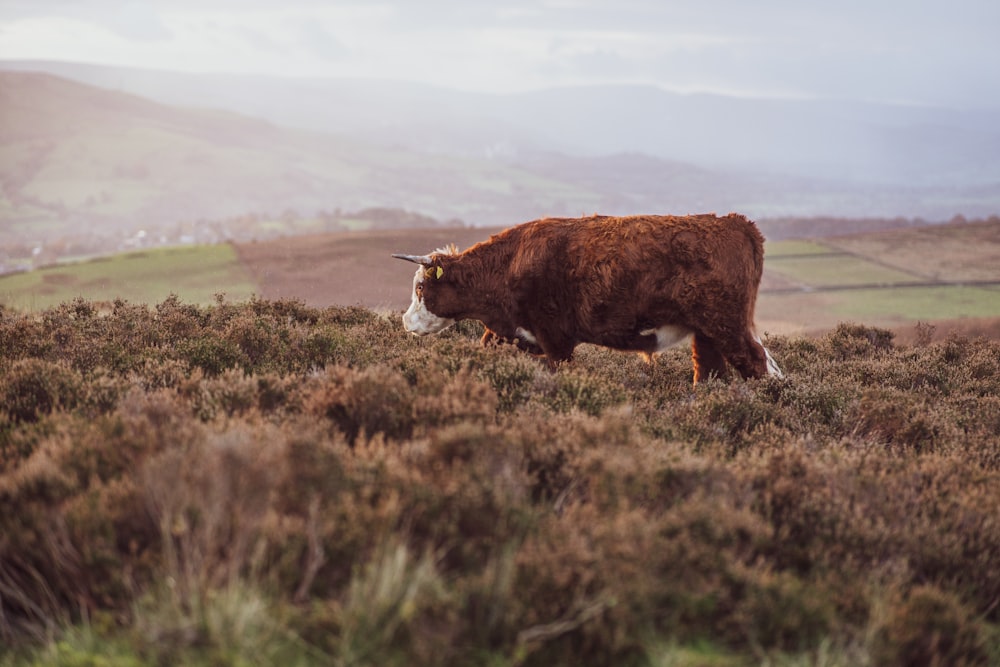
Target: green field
836,270
884,307
823,272
919,303
194,273
777,249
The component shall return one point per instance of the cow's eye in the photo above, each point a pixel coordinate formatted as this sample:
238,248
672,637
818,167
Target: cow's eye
419,289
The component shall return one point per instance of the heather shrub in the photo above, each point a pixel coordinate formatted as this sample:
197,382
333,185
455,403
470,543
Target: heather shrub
365,402
708,553
882,415
512,376
850,341
32,388
322,345
261,342
929,627
231,393
574,390
779,609
210,354
268,482
568,607
822,405
209,503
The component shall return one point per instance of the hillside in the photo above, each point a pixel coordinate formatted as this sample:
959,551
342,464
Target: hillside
85,163
877,144
269,483
75,156
101,165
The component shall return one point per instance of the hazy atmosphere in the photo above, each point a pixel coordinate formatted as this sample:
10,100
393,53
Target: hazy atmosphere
132,123
929,52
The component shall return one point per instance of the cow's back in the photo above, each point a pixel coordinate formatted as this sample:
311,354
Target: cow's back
600,267
694,242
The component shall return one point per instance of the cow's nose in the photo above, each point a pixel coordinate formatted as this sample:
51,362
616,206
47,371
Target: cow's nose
411,326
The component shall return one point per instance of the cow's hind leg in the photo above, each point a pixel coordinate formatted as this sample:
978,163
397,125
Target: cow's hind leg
707,359
772,366
748,356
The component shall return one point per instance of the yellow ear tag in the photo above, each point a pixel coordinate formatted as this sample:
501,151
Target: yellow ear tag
440,272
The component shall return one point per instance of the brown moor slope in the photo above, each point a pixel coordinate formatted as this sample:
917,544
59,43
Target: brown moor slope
347,268
355,268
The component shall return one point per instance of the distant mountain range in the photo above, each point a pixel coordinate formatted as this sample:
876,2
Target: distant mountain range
117,147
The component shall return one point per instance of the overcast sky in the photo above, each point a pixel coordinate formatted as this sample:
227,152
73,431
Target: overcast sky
944,52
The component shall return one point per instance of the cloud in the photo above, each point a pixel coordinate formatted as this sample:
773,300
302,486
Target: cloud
138,21
934,51
316,40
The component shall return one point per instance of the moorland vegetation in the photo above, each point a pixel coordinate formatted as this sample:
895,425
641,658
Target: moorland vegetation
268,483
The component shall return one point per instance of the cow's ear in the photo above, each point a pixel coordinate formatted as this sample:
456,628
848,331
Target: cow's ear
434,272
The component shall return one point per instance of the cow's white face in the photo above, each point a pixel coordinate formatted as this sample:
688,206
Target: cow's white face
417,319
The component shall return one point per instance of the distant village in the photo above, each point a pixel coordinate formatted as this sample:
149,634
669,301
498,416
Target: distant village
27,254
20,255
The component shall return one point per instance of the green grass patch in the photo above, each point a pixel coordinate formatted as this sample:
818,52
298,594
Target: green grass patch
918,303
881,307
194,273
774,249
836,270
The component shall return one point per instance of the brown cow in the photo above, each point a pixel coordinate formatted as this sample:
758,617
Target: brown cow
641,283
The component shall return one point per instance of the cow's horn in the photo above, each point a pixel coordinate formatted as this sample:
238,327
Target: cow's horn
416,259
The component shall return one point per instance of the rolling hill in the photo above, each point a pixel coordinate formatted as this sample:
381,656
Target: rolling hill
814,139
104,163
76,155
78,159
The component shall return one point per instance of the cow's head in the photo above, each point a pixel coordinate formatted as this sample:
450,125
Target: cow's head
428,284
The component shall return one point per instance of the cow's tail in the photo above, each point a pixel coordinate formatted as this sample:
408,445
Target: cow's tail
756,274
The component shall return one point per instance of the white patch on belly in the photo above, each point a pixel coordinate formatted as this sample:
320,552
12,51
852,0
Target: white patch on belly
525,335
667,336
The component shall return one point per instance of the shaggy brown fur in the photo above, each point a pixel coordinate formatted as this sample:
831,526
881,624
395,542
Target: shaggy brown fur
610,281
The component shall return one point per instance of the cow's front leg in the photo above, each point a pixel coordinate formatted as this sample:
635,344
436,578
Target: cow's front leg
555,347
490,338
